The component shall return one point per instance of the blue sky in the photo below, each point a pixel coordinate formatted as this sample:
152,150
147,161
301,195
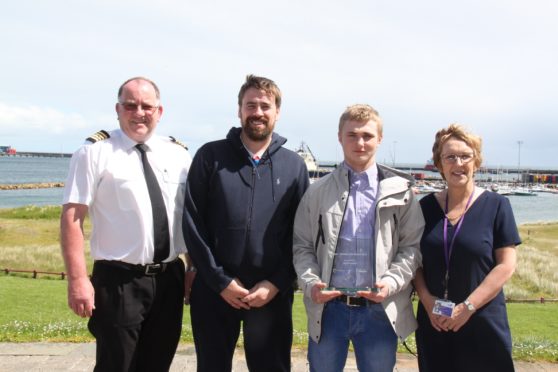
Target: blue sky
490,65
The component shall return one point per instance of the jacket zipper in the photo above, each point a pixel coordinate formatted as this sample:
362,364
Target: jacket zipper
341,225
320,233
251,206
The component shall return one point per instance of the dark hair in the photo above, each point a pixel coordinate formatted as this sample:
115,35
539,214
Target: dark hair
260,83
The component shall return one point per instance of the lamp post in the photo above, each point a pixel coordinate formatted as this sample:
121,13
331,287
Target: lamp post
519,143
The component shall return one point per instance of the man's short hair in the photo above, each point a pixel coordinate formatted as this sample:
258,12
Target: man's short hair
157,93
260,83
361,113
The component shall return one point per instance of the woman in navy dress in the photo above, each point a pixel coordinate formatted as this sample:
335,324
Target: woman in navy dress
468,250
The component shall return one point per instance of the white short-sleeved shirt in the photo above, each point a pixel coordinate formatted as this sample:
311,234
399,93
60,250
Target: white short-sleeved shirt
107,176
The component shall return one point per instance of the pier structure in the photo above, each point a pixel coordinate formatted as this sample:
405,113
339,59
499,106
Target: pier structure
485,174
31,154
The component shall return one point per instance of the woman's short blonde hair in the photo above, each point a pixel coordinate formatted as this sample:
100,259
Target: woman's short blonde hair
458,132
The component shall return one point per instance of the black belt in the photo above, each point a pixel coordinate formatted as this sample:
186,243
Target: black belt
353,300
149,269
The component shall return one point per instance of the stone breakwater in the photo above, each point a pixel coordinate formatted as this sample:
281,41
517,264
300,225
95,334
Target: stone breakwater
22,186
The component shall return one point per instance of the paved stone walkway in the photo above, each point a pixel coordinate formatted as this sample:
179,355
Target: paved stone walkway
31,357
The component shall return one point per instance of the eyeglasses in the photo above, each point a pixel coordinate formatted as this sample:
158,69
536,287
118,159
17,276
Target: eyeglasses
132,107
452,158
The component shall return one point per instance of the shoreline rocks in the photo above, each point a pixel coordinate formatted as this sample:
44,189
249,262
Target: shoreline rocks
22,186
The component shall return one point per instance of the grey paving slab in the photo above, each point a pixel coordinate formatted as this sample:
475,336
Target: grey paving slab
47,356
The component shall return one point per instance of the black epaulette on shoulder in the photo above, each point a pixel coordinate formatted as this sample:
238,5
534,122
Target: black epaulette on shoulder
178,142
99,136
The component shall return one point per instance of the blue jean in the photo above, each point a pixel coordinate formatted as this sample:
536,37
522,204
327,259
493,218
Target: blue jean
367,327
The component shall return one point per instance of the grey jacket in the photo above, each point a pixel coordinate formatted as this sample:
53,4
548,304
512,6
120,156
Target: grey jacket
398,228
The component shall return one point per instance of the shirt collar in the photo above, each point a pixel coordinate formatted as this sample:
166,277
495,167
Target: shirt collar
126,142
253,155
370,174
129,144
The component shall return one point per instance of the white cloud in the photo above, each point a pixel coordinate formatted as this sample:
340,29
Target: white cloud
491,65
33,119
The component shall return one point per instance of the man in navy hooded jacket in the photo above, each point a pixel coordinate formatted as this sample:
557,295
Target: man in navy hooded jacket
241,198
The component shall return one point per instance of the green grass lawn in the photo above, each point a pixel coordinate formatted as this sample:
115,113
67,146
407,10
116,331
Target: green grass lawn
36,310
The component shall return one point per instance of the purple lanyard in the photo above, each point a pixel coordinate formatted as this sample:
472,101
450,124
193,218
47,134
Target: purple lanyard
449,248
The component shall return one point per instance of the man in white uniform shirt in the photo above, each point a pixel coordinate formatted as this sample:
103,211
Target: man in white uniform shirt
135,296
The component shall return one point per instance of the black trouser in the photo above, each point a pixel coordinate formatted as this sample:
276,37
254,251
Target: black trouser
137,318
267,331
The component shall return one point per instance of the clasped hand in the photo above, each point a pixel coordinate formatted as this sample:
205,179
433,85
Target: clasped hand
459,316
239,297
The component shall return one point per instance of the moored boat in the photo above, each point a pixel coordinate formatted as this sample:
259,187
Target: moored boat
429,166
314,169
304,152
522,191
507,190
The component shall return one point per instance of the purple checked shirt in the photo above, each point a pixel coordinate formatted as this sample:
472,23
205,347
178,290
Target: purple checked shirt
354,261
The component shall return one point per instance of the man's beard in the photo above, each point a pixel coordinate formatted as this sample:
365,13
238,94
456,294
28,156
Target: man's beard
257,134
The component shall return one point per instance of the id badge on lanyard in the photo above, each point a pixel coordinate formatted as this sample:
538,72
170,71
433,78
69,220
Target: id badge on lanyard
444,306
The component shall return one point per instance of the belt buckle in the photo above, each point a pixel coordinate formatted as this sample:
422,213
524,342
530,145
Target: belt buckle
348,301
153,269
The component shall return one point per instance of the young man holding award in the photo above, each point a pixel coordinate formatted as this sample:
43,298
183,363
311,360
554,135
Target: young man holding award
356,249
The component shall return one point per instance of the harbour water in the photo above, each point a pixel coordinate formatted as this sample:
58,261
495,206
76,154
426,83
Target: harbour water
15,170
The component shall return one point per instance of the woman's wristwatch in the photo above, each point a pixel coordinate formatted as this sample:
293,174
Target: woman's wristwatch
469,305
